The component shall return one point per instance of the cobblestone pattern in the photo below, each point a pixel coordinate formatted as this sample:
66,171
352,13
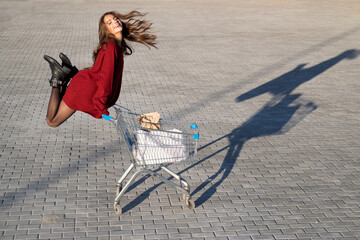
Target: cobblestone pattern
273,86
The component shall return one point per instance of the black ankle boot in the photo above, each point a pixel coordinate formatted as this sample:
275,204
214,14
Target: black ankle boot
58,72
66,62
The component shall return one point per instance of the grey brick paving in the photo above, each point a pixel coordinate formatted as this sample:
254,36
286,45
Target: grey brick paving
273,86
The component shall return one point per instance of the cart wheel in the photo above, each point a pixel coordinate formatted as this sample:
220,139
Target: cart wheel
117,208
118,189
190,204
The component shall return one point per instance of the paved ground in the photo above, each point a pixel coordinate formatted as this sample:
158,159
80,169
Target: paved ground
273,86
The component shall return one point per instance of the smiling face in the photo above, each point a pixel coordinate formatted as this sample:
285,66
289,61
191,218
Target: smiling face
113,25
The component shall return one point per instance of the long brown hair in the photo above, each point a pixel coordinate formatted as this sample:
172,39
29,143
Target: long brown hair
134,29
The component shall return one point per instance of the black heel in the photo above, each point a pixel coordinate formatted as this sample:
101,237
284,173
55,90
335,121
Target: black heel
58,72
66,62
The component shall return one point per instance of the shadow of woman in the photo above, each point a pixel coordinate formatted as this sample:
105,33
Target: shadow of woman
282,112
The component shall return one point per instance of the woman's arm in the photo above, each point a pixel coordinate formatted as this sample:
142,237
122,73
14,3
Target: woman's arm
105,68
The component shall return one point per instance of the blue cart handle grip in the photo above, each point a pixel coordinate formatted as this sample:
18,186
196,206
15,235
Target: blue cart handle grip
106,117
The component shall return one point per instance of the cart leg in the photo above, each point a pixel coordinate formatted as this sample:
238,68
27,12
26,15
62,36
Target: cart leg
117,206
184,187
122,178
183,183
131,181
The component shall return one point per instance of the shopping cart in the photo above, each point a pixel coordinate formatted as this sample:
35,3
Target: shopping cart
153,150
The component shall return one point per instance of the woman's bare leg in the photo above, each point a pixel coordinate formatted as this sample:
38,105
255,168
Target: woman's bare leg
58,112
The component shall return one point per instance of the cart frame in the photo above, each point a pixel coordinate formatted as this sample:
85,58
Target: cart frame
125,123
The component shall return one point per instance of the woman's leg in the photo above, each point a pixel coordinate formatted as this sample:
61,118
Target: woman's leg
58,112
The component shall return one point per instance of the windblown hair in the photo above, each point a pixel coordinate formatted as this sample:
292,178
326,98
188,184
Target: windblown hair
133,29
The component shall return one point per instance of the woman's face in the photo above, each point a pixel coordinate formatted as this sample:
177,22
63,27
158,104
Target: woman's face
113,24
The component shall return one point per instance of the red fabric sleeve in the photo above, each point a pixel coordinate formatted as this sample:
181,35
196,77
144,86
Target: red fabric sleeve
104,72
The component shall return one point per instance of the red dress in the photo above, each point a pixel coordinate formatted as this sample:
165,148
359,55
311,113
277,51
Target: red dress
96,89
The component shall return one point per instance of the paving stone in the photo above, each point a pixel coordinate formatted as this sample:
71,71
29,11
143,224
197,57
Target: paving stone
272,85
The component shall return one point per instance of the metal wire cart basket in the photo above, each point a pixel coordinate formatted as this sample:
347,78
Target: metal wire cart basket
152,150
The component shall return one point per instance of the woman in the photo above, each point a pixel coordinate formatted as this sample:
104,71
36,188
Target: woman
96,89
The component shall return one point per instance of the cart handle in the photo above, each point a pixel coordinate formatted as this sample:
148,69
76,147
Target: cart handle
106,117
194,126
